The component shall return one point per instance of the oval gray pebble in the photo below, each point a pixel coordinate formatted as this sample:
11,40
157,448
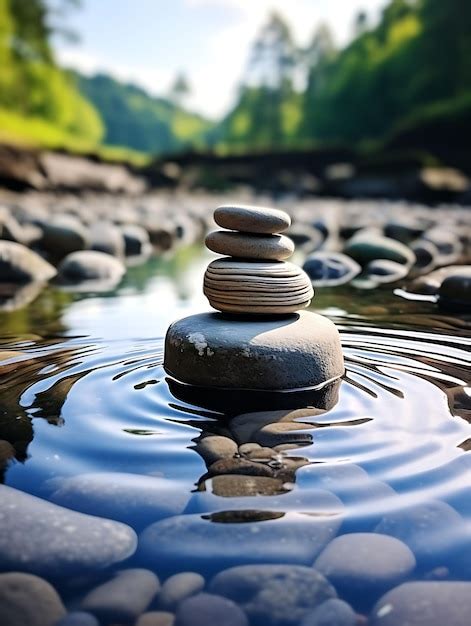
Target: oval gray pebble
252,219
246,246
206,609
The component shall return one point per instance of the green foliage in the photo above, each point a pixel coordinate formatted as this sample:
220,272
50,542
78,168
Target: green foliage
135,119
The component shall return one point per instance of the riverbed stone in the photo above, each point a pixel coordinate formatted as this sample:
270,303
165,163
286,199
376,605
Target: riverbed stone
455,291
179,587
329,269
136,240
333,612
383,271
364,248
107,237
362,566
78,618
134,499
252,219
27,600
215,447
90,265
63,234
424,604
204,609
273,595
18,264
45,539
429,284
156,618
248,246
430,530
301,350
206,546
123,598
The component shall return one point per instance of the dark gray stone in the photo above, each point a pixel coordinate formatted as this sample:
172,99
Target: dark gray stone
424,604
333,612
205,609
123,598
78,618
130,498
179,587
27,600
273,595
429,284
455,291
90,265
63,234
209,543
18,264
300,350
362,566
136,240
365,248
329,269
46,539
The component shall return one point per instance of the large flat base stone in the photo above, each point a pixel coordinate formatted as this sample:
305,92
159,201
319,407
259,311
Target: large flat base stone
296,351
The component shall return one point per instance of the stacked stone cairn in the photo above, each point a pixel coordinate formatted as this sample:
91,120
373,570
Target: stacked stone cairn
260,339
254,277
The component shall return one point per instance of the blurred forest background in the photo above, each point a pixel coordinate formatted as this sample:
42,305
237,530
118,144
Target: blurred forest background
403,81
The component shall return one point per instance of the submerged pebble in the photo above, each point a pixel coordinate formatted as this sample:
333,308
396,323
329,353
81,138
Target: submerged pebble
329,269
333,612
78,618
27,600
124,597
179,587
204,609
362,566
49,540
273,595
424,604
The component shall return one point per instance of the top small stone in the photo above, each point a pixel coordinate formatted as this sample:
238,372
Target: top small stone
252,219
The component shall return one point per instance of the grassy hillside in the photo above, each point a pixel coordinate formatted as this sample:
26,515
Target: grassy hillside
134,119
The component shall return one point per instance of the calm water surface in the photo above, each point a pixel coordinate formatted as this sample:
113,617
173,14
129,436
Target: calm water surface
83,390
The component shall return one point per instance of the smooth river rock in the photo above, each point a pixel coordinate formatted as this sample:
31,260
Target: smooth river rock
179,587
424,604
455,291
206,609
247,246
156,618
214,350
134,499
252,219
362,566
123,598
49,540
383,271
333,612
364,248
88,265
27,600
329,269
205,545
18,264
78,618
273,595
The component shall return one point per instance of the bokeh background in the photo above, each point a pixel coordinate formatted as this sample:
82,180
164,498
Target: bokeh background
389,80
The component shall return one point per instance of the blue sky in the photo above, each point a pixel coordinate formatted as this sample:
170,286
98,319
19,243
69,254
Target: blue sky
148,41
